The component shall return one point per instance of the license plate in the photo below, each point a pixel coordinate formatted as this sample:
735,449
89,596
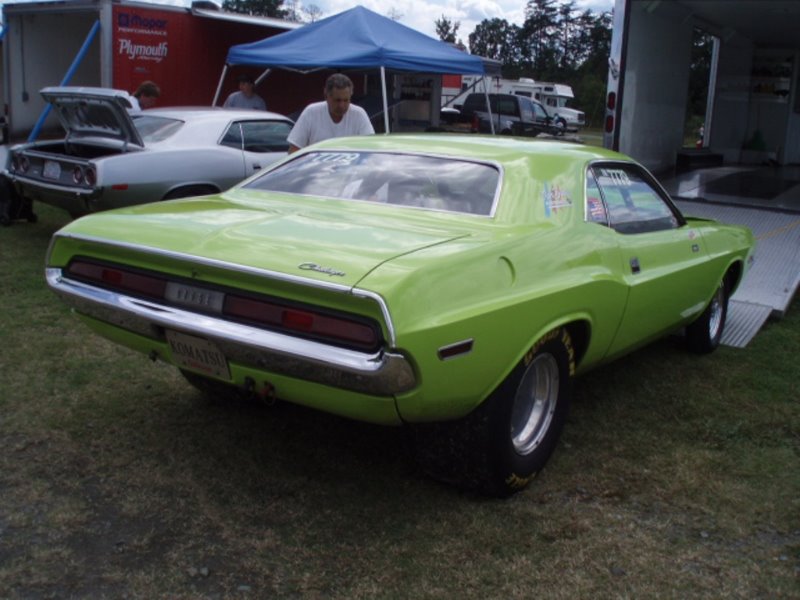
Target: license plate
198,355
52,170
188,295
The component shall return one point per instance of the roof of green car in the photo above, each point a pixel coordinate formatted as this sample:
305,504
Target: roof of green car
499,148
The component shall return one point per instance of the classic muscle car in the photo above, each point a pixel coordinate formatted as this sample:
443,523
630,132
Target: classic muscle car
451,284
112,158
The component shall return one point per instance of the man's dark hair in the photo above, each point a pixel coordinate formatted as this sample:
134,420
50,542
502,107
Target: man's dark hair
147,88
338,81
246,79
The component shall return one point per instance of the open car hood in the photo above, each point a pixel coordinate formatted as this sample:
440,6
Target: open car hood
93,112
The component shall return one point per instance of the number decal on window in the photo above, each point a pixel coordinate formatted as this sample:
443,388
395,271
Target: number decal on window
618,177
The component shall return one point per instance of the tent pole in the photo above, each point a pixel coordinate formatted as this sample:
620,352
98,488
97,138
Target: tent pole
488,105
385,102
219,85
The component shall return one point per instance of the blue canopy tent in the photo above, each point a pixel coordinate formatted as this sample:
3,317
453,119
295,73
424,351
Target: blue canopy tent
357,39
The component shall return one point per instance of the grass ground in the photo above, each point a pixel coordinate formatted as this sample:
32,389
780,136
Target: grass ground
676,477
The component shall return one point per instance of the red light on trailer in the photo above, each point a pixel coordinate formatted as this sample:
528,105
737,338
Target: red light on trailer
609,124
611,101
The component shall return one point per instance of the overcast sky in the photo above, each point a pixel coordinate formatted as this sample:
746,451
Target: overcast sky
422,14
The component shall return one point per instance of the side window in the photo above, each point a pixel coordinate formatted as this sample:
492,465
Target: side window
507,106
526,108
632,204
232,137
266,136
540,112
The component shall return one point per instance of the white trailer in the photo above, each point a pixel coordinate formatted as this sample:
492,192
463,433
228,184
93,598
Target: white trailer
753,111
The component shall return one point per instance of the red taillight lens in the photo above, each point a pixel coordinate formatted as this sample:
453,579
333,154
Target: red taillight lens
297,320
91,176
611,101
325,327
609,124
77,175
476,122
118,279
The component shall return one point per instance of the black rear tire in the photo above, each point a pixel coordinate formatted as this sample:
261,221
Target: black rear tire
501,446
705,333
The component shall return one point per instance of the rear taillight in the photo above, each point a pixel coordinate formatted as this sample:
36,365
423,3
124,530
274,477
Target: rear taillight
476,122
609,124
119,279
319,325
325,327
90,175
20,163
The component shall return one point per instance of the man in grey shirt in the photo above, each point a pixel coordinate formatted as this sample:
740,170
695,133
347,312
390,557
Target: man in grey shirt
246,97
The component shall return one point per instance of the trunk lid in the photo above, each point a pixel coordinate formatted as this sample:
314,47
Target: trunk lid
93,112
336,246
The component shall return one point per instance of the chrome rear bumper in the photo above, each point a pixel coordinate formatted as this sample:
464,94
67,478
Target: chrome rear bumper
381,374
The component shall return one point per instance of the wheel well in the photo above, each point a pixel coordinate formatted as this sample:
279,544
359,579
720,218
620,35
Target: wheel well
579,331
187,191
733,277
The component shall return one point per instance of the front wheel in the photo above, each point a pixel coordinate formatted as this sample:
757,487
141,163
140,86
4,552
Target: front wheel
501,446
704,334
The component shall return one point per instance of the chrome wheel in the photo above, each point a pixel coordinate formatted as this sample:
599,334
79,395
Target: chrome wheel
534,404
717,312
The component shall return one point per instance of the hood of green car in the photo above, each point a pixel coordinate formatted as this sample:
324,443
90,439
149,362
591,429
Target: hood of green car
338,246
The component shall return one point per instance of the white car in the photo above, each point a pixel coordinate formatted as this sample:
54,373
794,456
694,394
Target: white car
112,158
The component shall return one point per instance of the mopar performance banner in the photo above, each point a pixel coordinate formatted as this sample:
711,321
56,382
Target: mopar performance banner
147,46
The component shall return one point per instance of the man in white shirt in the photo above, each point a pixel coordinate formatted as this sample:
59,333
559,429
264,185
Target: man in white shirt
246,97
333,117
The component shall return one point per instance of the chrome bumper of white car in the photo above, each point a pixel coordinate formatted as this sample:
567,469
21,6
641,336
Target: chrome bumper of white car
381,374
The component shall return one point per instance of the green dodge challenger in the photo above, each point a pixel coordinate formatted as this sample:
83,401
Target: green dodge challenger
451,284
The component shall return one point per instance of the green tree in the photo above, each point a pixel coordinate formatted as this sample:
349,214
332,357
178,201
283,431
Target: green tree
447,30
260,8
497,39
312,13
539,36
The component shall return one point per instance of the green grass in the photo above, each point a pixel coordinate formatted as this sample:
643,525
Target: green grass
676,477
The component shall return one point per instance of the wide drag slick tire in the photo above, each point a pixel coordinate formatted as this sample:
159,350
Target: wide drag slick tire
705,333
499,447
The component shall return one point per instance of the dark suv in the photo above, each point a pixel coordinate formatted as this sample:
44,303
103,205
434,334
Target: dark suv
512,115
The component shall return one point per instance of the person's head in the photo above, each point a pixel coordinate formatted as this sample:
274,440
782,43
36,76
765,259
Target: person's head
247,85
338,91
147,93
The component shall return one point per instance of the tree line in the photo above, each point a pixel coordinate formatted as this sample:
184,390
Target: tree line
556,42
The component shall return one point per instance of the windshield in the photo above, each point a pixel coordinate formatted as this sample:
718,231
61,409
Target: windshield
413,180
155,129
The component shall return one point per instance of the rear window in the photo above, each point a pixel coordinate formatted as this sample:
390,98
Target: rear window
402,179
155,129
